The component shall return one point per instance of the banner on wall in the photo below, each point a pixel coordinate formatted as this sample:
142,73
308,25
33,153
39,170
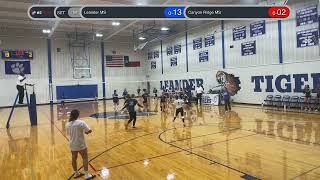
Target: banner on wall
177,49
150,55
16,67
204,56
153,65
307,38
257,28
156,54
169,51
197,43
248,48
307,15
239,33
174,61
209,40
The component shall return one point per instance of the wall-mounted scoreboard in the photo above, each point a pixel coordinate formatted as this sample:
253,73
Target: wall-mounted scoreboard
17,54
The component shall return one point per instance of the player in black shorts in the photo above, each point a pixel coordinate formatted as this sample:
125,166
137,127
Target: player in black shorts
179,109
130,106
125,93
138,91
145,96
155,92
163,101
307,92
115,99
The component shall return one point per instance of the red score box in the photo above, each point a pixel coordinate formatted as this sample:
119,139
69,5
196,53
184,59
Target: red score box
279,12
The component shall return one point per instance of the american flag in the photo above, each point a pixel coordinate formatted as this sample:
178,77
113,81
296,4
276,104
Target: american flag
115,60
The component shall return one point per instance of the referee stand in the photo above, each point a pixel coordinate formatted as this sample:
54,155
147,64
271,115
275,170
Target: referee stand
32,106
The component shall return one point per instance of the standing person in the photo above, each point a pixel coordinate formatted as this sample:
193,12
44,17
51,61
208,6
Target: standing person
185,98
199,91
145,96
115,99
125,93
76,129
189,94
155,91
20,86
307,92
179,109
226,98
318,99
130,106
163,101
138,91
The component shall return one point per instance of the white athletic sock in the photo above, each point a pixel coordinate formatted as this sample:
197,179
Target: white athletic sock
76,173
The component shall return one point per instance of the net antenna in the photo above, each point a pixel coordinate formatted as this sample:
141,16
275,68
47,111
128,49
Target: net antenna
277,2
79,49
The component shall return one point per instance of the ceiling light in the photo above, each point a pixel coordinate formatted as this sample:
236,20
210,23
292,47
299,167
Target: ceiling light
46,31
99,35
115,23
142,38
164,29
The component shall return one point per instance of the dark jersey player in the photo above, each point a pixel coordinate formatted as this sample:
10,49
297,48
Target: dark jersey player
115,99
145,96
163,101
155,92
130,106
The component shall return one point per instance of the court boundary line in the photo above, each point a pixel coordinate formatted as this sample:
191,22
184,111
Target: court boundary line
304,173
210,160
255,133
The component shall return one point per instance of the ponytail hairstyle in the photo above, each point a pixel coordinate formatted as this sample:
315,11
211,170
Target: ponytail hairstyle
74,115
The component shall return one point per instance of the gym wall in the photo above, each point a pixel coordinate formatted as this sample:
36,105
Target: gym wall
62,72
266,61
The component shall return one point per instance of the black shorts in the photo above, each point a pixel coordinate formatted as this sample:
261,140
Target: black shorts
145,101
116,101
179,110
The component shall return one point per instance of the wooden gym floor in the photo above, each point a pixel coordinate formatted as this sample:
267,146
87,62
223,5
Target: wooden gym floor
245,143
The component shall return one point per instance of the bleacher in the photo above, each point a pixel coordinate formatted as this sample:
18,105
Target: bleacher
288,102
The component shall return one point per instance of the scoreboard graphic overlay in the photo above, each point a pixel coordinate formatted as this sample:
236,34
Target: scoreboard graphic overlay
178,12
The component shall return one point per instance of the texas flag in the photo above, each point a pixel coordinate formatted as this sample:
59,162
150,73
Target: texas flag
128,63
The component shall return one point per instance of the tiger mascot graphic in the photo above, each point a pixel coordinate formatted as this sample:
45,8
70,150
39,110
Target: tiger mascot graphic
229,82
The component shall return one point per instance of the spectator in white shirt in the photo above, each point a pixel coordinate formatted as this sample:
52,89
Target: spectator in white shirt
199,91
76,129
20,87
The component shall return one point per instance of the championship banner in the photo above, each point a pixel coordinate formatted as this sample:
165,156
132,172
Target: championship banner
169,51
307,15
239,33
257,28
248,48
174,61
153,65
177,49
307,38
197,43
156,54
209,40
204,56
16,67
